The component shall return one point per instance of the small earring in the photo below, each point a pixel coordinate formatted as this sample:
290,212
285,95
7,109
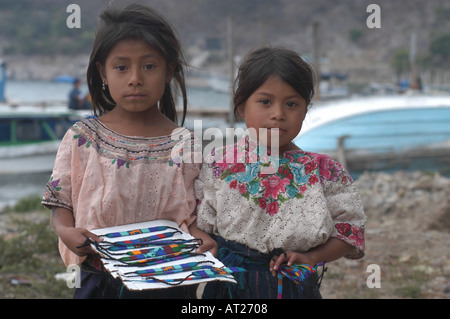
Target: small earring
103,86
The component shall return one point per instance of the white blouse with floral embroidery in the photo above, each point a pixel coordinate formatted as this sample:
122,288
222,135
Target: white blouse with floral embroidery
309,199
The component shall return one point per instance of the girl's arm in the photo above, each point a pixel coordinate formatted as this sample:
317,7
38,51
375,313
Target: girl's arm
332,250
208,243
63,223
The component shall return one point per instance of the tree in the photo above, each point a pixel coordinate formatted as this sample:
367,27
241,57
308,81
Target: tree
440,50
400,62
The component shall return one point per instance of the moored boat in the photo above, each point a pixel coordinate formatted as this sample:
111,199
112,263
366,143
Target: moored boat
381,133
30,137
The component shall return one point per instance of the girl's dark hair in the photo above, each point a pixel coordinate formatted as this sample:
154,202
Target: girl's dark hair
263,62
136,22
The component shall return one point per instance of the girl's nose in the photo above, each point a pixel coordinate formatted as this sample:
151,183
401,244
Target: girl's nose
135,78
278,111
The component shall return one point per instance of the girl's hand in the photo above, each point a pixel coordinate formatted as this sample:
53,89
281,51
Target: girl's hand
77,240
289,258
209,244
332,250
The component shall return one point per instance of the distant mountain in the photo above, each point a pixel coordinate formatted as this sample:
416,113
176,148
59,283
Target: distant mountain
30,27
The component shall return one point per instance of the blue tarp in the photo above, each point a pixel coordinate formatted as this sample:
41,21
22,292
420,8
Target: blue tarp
64,79
2,81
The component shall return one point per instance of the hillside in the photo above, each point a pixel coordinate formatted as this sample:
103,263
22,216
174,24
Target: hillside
31,28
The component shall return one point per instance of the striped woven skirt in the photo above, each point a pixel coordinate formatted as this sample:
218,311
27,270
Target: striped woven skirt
257,282
99,284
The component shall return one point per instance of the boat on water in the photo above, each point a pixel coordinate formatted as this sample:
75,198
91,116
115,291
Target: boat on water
30,137
381,133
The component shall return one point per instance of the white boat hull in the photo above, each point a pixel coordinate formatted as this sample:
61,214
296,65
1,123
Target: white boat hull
26,159
31,135
381,133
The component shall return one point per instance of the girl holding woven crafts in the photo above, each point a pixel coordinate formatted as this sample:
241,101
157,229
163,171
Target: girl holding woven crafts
279,218
117,167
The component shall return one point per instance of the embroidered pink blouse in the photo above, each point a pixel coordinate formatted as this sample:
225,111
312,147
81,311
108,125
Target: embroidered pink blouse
107,179
307,200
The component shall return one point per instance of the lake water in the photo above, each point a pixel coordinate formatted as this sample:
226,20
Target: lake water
13,188
44,91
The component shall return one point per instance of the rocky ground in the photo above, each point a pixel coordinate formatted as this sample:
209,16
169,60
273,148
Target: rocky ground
407,237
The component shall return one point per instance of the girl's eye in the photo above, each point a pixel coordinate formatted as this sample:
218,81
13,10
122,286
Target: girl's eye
265,101
149,66
121,68
291,104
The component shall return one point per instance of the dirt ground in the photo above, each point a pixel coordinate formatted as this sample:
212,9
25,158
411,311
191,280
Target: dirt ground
407,245
407,238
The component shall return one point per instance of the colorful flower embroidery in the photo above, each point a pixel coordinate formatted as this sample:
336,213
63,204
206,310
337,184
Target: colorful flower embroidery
274,185
120,162
272,209
351,234
110,145
297,172
331,170
268,191
55,184
82,141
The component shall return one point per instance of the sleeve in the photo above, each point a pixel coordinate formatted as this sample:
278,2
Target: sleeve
188,203
58,191
205,193
185,155
346,208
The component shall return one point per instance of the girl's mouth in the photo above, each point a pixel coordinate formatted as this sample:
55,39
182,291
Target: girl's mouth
135,96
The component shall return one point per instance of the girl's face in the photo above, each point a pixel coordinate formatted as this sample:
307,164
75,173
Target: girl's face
136,75
275,105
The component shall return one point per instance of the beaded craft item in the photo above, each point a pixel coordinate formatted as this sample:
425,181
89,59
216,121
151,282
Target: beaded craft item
157,254
297,273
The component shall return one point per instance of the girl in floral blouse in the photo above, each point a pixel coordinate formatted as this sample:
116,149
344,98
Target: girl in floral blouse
271,215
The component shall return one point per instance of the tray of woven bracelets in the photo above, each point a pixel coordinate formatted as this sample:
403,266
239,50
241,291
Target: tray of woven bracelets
157,254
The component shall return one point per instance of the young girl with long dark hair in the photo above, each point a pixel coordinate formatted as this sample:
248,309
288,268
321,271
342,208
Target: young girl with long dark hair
278,224
118,167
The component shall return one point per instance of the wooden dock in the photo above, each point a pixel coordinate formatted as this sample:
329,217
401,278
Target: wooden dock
415,158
